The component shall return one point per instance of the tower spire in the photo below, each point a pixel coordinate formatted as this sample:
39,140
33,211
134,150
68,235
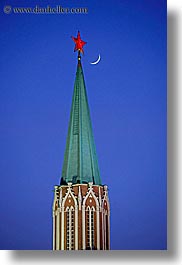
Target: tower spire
81,215
80,159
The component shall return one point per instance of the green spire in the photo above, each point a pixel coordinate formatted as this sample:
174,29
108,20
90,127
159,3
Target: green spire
80,159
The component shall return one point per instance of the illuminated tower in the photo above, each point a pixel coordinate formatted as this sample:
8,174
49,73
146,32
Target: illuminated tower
81,212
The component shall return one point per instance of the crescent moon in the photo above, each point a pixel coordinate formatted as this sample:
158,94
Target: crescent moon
98,60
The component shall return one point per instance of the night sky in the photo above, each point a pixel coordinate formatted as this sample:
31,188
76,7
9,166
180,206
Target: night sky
127,98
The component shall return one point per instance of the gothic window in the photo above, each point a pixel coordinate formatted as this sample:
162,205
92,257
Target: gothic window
92,228
105,225
90,242
69,228
107,232
88,227
72,229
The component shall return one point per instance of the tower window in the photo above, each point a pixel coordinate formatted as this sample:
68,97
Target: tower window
74,179
70,228
90,240
105,228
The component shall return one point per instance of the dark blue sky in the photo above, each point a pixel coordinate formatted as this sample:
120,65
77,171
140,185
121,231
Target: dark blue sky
127,98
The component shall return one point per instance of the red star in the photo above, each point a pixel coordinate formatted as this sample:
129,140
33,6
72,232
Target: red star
78,43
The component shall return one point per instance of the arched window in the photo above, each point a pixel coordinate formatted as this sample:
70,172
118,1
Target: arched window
90,240
105,226
107,231
92,228
67,229
88,228
70,228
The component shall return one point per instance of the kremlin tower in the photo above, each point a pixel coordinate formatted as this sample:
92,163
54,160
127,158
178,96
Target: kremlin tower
81,212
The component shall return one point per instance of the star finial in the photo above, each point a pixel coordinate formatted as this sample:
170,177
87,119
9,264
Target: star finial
79,43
